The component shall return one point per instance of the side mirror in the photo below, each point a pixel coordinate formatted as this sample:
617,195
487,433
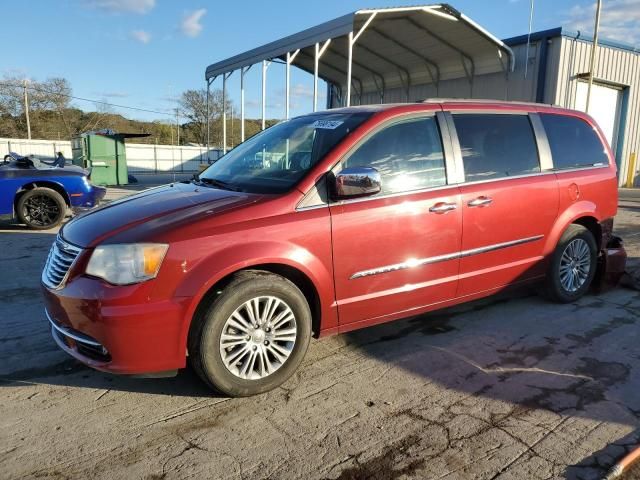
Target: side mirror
353,182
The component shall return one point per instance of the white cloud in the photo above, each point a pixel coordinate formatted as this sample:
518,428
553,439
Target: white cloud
141,36
122,6
191,25
620,19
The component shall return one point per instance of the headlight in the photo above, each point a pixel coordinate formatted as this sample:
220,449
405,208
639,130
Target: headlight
125,264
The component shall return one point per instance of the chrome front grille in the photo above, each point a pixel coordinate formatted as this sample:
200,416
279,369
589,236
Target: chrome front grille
60,259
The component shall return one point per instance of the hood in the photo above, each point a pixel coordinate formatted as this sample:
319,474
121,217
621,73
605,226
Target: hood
150,211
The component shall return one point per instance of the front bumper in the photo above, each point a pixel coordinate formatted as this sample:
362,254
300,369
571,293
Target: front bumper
117,331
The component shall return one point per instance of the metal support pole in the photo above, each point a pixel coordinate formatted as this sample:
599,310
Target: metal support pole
208,122
352,40
319,52
349,61
594,48
316,58
290,58
225,76
224,113
526,52
26,109
265,65
242,72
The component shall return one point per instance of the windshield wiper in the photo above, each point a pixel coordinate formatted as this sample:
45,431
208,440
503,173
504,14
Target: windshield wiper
219,183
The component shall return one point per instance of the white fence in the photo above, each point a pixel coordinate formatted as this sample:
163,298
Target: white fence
141,158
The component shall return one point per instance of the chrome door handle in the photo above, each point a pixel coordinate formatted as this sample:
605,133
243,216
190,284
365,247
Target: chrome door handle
480,201
442,207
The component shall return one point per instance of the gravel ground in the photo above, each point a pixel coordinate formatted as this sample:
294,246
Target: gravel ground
512,387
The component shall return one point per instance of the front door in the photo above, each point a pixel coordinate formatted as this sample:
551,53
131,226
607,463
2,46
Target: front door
509,203
397,251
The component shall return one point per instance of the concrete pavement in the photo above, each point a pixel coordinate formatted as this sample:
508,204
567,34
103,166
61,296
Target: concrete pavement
512,387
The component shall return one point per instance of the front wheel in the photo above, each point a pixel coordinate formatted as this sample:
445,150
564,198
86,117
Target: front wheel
253,336
573,265
41,208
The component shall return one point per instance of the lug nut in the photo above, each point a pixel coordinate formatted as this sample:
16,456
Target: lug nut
248,337
267,329
255,347
266,342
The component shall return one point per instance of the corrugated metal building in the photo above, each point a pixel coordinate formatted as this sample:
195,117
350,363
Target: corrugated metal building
555,72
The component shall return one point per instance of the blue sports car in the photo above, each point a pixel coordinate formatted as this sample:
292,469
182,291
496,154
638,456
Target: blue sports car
39,194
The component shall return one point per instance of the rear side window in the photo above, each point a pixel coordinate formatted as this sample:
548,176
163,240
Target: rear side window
496,146
573,142
408,156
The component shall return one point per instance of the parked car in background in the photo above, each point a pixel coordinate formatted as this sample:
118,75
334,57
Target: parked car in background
39,194
331,222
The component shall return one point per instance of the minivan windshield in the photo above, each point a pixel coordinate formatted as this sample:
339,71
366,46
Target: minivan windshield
274,160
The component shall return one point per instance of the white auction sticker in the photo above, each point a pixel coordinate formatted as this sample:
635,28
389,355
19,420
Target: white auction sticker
327,124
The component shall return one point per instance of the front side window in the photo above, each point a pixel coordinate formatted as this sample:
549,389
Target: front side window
408,156
496,146
573,142
274,160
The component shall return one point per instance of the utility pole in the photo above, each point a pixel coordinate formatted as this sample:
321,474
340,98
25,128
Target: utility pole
594,48
177,127
26,108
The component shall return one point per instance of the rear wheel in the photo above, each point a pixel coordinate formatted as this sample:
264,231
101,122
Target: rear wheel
41,208
253,336
573,265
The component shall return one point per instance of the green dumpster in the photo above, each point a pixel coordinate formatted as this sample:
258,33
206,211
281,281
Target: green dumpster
104,153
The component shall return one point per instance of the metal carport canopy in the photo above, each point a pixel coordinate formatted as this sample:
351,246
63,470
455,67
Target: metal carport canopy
376,49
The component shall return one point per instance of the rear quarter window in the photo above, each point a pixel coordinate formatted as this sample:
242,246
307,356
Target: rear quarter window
496,145
573,142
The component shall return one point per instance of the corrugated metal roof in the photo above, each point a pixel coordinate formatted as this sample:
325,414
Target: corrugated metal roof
405,45
577,34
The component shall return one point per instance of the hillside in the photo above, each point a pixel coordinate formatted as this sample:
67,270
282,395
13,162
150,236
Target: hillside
65,123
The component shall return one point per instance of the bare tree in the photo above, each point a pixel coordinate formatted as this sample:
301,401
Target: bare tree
52,94
193,106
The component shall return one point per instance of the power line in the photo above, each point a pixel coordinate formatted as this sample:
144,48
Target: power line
100,102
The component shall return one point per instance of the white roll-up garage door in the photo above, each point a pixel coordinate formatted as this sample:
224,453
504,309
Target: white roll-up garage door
604,107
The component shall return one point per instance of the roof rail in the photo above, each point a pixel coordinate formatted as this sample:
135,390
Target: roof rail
482,100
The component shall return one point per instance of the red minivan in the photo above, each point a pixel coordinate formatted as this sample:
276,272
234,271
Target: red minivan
327,223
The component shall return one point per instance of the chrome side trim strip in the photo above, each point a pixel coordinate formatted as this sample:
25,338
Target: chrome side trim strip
67,333
413,263
498,246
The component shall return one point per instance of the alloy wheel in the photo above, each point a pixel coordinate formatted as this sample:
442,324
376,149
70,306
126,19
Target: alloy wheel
258,337
575,265
41,210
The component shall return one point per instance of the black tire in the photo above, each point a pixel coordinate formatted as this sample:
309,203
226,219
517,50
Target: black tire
556,289
206,352
41,208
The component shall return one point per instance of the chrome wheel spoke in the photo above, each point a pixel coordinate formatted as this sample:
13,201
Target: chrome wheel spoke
231,340
284,317
272,306
285,335
258,337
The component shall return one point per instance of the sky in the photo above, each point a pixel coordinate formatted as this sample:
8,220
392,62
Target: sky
144,53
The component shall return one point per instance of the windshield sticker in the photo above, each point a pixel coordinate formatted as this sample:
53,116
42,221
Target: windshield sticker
327,124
